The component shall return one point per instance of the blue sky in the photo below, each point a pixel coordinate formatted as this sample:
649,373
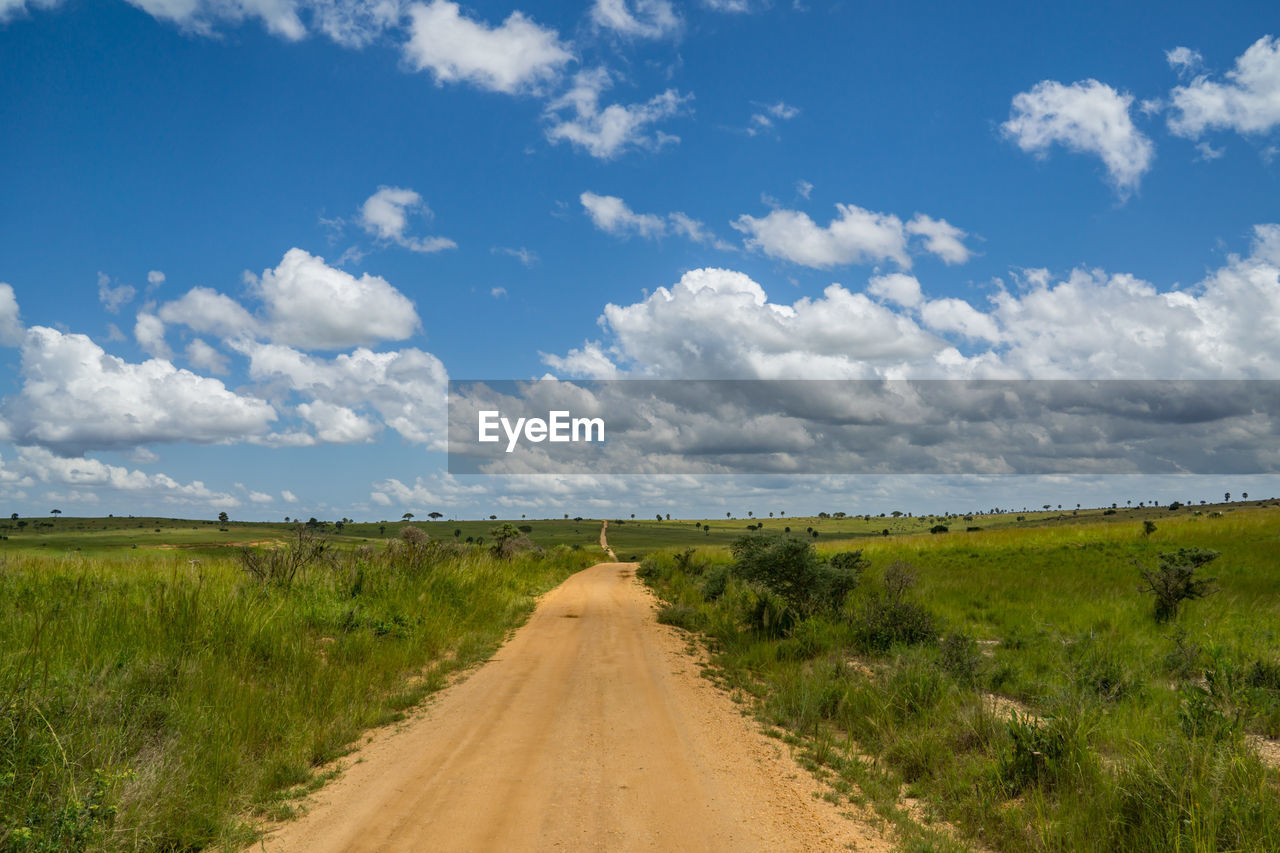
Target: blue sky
247,241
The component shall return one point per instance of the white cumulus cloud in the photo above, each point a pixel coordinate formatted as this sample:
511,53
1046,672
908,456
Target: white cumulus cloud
338,424
113,297
577,118
610,213
309,304
385,214
649,19
406,388
149,333
1087,117
202,355
75,397
207,311
1247,102
856,236
280,17
11,328
1087,324
516,56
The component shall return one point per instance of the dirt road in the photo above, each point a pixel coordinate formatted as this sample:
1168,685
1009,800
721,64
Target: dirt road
590,730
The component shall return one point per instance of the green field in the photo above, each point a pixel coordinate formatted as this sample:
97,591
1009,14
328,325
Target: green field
157,695
165,698
1021,689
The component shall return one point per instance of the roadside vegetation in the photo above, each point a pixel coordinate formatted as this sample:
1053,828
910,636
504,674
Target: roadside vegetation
173,699
1092,686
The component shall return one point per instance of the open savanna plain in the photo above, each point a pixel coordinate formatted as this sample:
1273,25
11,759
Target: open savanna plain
171,684
170,696
1012,687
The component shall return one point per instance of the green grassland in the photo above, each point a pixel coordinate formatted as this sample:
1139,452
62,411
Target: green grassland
1021,688
155,695
164,698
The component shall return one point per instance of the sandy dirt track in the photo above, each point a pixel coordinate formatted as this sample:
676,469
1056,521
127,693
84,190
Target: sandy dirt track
590,730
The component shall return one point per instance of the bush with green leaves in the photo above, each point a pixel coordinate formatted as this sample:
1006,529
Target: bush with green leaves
793,570
1174,580
888,617
959,657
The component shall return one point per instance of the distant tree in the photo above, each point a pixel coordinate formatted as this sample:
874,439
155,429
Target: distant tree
493,518
457,532
407,516
771,515
1046,507
1244,496
1148,527
668,516
55,512
223,517
1128,503
286,518
897,513
434,515
14,517
1227,497
728,515
658,516
382,530
633,515
750,513
1175,581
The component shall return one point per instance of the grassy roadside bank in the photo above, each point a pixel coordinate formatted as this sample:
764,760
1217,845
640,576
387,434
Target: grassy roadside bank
152,702
1015,684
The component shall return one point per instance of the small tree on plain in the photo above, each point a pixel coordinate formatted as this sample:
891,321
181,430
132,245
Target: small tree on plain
223,517
407,516
1174,580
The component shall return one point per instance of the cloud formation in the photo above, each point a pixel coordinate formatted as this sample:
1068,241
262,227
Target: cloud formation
855,236
309,304
1247,102
1086,117
385,215
75,397
516,56
718,323
605,133
650,19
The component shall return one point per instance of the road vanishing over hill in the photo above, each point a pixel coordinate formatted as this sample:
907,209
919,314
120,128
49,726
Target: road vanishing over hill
591,729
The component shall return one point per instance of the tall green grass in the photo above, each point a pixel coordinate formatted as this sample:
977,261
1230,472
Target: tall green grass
1049,710
151,702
